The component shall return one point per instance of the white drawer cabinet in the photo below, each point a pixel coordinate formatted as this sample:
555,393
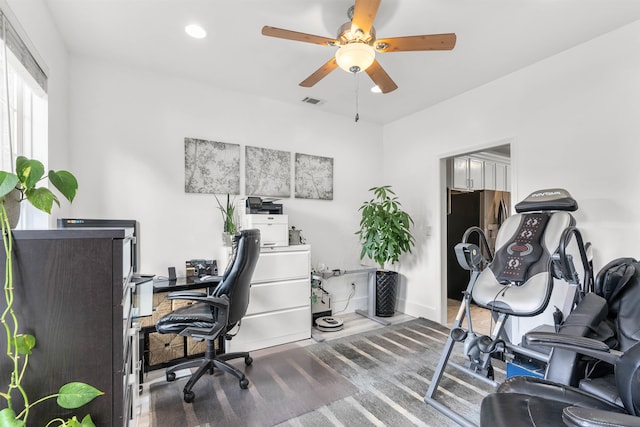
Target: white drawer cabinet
278,264
266,297
279,309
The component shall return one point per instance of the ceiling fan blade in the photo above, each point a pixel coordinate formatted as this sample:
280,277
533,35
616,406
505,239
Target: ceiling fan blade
320,73
409,43
364,12
294,35
380,77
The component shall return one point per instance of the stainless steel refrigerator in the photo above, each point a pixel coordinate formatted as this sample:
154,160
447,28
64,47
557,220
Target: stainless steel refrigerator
486,209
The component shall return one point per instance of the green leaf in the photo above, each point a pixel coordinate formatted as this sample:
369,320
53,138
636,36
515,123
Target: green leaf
74,422
25,343
65,182
71,422
42,198
76,394
29,171
87,421
8,182
8,418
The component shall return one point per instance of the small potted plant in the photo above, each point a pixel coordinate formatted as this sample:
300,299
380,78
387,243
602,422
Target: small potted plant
384,234
14,188
227,211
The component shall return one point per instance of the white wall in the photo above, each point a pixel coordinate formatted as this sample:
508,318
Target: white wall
127,134
573,122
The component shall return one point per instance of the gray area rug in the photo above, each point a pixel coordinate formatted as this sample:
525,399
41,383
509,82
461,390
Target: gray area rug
375,378
282,385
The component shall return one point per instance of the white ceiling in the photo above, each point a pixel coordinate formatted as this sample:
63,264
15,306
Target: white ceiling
494,38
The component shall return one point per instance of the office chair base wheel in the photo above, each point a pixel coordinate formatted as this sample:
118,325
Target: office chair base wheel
248,360
244,383
171,376
189,396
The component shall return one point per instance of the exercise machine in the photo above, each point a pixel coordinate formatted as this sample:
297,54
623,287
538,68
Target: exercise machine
531,283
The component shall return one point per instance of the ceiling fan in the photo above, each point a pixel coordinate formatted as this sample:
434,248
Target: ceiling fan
357,45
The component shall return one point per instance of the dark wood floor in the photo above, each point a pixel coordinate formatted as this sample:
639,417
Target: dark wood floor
353,324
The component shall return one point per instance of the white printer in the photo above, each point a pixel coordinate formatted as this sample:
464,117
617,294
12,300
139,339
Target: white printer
265,216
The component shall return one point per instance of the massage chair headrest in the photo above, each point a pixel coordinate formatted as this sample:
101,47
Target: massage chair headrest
553,199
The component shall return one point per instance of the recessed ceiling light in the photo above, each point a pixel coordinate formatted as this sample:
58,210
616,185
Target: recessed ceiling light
195,31
376,89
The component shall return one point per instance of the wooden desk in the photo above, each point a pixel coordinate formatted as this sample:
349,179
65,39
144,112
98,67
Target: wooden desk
185,284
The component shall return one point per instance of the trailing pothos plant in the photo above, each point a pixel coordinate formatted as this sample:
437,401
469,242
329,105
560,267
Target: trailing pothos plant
28,173
384,227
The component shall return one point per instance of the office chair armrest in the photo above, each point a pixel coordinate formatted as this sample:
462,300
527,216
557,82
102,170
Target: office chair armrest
217,302
222,304
186,294
587,417
582,345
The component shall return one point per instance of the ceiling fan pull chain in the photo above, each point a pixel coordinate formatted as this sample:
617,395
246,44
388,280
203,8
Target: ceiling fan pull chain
355,81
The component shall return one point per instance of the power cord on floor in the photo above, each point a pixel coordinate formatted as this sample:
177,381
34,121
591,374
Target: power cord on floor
351,294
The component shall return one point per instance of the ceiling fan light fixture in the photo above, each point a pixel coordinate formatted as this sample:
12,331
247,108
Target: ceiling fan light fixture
195,31
355,57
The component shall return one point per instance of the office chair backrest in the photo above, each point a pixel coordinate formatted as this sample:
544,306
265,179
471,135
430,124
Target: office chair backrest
236,280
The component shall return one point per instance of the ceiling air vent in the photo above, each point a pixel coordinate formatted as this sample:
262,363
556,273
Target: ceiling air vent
312,101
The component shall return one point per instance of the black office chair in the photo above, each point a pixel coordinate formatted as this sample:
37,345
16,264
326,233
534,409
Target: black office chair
528,401
213,316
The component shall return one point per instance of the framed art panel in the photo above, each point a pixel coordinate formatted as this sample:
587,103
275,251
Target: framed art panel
267,172
313,177
211,167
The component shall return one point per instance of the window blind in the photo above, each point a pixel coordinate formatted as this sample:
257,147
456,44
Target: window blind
19,48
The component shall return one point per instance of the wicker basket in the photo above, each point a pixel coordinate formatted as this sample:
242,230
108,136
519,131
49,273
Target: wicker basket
165,347
196,347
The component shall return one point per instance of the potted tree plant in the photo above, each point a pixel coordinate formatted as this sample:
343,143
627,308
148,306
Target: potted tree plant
14,188
384,234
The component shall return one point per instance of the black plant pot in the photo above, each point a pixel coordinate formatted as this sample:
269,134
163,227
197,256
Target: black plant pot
386,291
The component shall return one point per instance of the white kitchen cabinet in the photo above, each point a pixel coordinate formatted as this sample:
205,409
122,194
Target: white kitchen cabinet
489,175
467,173
501,177
279,309
480,171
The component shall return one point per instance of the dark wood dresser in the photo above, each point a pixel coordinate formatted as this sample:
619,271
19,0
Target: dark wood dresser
74,294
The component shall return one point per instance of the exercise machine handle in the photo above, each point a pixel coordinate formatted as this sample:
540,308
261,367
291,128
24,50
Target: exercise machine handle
565,264
483,240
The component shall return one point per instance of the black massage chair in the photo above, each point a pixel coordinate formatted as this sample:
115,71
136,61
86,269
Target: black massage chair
529,401
608,392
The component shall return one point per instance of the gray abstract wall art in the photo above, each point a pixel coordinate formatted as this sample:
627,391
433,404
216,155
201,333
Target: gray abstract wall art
211,167
267,172
313,177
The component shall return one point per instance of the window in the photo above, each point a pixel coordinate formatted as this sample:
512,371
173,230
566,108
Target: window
23,109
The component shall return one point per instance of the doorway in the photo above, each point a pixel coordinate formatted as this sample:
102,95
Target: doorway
478,193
